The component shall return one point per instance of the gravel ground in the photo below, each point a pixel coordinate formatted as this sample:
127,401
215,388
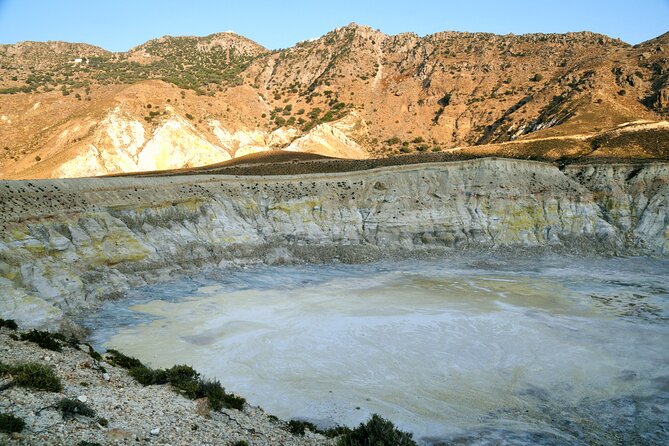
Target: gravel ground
136,414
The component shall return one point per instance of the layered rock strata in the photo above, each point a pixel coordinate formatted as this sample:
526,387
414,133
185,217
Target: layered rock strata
68,244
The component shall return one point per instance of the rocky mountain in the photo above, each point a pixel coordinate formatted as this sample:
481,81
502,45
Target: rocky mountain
78,110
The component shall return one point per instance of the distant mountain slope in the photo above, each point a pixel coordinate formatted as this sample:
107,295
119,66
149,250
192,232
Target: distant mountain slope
76,109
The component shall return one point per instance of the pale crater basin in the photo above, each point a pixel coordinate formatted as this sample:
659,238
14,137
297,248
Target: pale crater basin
538,351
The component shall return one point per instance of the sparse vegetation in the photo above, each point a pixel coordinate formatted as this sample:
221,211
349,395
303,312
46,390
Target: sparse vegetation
183,379
33,375
298,427
10,423
119,359
377,431
8,323
45,339
70,408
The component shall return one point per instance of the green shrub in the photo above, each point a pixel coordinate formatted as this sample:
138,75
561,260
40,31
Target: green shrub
71,408
231,401
184,379
214,393
144,375
45,339
33,375
8,323
93,354
298,427
376,432
121,360
335,431
9,423
240,443
88,443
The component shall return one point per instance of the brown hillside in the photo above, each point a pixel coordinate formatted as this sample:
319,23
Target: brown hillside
180,102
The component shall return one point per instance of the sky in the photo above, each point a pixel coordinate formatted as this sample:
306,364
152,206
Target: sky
119,25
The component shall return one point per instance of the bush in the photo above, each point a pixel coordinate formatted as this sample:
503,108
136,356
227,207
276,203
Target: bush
9,423
45,339
93,354
185,379
233,401
214,393
33,375
335,431
71,408
240,443
144,375
8,323
376,432
121,360
88,443
298,427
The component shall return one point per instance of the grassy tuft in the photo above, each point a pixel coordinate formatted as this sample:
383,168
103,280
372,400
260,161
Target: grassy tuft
119,359
45,339
70,408
37,376
93,354
10,424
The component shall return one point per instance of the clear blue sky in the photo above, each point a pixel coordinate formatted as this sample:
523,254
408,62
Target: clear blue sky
118,25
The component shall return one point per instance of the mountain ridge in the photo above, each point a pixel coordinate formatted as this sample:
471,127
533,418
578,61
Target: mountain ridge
352,91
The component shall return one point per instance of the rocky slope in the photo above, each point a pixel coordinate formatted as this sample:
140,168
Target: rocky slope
74,109
67,244
125,411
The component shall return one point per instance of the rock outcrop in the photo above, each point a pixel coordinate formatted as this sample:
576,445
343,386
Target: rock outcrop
67,244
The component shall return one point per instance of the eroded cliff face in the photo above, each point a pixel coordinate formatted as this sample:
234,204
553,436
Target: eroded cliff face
66,244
